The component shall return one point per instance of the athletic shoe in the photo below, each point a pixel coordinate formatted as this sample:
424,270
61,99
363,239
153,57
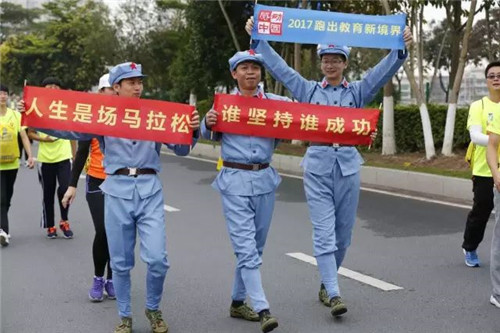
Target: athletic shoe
96,292
471,258
323,295
267,321
158,325
125,326
243,312
64,226
495,301
52,233
109,288
4,238
338,306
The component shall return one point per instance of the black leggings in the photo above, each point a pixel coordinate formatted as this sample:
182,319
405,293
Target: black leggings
100,252
7,180
49,175
480,213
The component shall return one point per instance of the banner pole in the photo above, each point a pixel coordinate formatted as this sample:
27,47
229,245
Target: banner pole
250,46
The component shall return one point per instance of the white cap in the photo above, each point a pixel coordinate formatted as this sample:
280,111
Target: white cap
104,82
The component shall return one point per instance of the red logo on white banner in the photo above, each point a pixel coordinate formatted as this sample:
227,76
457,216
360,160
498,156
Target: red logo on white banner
270,22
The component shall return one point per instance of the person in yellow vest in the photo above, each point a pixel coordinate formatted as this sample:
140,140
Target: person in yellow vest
493,82
480,114
10,128
55,156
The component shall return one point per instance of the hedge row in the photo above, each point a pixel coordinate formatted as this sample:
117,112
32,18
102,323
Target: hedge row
408,126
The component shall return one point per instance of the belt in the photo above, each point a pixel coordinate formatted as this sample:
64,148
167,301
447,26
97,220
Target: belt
325,144
134,172
252,167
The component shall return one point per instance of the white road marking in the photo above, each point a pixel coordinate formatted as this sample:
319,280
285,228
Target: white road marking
170,208
82,177
363,188
413,197
349,273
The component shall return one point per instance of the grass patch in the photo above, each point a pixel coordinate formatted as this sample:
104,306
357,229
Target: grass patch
466,174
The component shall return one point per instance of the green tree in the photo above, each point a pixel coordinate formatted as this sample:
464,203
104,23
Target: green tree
15,19
201,64
151,33
76,43
485,36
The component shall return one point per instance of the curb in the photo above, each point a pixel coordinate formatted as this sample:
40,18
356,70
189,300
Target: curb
423,184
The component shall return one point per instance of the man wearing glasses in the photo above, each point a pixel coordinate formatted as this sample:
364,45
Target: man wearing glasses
480,113
493,81
331,171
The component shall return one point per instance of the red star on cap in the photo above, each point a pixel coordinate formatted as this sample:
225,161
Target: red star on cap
331,46
251,52
133,66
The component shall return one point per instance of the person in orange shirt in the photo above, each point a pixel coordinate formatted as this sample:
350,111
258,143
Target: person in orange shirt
89,155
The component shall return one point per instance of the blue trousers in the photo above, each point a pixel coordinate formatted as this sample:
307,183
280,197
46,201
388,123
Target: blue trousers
333,202
248,219
122,218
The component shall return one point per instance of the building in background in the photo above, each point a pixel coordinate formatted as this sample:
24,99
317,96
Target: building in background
473,87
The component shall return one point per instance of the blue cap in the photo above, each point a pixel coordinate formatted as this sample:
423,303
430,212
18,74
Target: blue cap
125,70
242,56
333,49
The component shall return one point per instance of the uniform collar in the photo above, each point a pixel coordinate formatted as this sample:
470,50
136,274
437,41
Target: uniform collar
324,83
259,93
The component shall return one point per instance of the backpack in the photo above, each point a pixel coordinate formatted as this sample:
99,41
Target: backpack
9,147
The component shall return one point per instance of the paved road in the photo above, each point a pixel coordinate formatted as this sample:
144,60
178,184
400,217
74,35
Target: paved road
412,244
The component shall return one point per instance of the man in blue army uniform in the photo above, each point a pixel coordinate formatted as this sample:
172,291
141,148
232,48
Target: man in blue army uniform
331,171
134,202
247,184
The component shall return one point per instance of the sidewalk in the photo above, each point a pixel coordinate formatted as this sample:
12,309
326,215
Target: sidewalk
422,184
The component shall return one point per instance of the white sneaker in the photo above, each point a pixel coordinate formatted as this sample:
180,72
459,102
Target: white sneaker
494,301
4,238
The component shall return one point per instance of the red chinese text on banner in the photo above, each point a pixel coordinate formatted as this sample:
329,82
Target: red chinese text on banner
123,117
300,121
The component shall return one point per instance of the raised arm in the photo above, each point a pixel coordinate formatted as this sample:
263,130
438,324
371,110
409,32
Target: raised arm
279,69
384,70
379,75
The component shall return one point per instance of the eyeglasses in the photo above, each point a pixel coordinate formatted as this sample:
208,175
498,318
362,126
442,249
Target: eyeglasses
332,62
493,76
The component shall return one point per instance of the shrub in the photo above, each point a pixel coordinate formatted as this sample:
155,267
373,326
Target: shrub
408,128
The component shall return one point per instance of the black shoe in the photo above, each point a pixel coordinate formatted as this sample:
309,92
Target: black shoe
338,306
267,321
